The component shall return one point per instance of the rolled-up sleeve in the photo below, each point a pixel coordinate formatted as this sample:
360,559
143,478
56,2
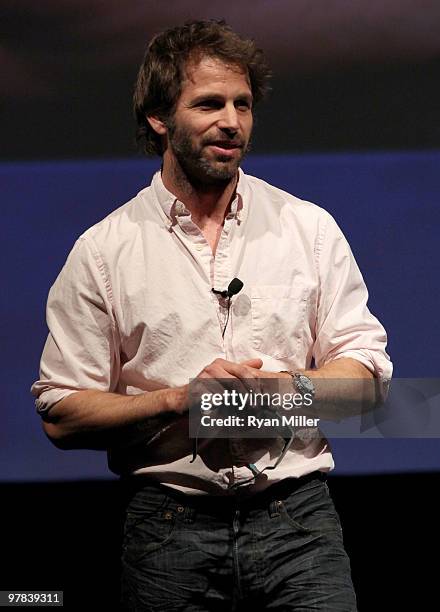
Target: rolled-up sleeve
345,327
81,350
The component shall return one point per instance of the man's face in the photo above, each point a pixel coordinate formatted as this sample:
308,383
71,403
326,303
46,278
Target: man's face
211,127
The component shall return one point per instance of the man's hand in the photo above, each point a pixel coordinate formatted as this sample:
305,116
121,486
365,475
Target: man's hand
219,369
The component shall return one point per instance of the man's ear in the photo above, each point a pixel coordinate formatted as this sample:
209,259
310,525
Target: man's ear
157,124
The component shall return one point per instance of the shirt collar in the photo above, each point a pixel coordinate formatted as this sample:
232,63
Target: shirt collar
172,207
165,198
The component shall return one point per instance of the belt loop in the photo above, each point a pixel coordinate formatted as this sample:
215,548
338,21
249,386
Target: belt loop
188,517
274,508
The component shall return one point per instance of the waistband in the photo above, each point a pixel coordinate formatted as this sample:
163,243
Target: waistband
220,503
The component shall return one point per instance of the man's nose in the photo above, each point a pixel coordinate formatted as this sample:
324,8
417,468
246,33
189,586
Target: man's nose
229,118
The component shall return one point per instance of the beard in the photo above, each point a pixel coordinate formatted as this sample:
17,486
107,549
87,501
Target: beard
200,169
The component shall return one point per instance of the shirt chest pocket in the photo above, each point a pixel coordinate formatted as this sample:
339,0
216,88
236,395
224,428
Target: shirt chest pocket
278,318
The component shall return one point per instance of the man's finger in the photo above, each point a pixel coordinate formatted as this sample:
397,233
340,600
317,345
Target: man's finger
253,363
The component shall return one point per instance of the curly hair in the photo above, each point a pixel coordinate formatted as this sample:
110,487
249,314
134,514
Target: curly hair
160,76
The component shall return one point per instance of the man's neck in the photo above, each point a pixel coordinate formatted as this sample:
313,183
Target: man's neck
208,204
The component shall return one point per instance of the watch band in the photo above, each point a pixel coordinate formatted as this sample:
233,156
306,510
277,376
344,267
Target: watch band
302,383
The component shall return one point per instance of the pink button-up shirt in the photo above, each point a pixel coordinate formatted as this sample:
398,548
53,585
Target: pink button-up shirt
132,310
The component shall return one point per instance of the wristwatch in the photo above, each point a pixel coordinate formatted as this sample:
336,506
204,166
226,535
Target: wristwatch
302,383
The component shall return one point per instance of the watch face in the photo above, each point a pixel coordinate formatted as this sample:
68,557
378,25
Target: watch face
306,384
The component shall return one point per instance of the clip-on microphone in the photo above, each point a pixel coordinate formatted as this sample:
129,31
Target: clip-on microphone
234,287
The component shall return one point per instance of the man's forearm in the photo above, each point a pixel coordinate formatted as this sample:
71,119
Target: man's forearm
343,388
99,420
344,367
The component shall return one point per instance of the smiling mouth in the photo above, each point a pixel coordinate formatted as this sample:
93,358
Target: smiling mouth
226,148
227,144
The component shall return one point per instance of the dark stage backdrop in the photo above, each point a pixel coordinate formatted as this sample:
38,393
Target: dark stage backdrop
346,75
386,203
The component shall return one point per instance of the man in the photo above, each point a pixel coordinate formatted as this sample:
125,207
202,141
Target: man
133,317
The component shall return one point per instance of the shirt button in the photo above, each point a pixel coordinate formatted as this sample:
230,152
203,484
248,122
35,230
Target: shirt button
180,508
199,247
179,208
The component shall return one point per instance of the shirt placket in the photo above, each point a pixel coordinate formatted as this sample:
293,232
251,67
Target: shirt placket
216,268
219,270
221,274
224,272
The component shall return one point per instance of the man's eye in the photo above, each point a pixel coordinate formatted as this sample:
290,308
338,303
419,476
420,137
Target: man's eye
209,104
243,105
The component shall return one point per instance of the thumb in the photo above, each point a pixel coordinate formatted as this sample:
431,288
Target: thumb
253,363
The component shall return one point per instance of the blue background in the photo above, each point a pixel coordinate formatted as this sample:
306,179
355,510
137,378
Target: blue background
386,204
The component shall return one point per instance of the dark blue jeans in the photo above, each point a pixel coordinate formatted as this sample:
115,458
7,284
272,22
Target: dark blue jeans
280,550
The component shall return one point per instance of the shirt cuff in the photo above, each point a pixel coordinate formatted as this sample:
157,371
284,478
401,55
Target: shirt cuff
47,399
